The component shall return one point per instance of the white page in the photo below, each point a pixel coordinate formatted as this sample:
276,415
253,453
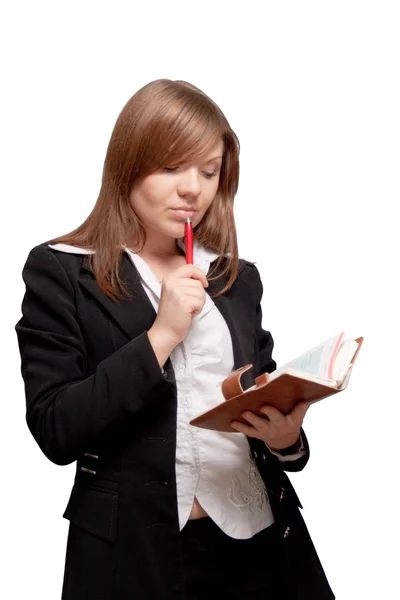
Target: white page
316,361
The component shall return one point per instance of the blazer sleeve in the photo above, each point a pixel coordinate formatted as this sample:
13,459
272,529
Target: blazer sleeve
267,365
66,409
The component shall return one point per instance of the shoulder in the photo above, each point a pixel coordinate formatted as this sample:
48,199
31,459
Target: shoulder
47,255
248,269
47,263
246,265
249,280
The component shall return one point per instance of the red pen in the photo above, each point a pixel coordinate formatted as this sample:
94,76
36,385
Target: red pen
189,241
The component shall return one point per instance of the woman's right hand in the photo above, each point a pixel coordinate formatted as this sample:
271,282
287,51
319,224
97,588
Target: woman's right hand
182,298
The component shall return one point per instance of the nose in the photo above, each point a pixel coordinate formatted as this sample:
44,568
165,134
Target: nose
189,183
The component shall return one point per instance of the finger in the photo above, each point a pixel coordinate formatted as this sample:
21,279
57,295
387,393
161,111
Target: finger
299,411
182,295
182,292
170,285
246,429
273,414
192,305
188,271
196,309
174,285
255,420
188,284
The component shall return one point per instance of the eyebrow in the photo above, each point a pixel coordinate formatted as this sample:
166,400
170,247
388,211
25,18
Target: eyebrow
211,159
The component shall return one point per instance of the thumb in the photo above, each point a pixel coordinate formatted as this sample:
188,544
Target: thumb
299,411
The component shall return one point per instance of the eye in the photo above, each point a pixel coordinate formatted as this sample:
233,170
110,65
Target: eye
209,175
170,169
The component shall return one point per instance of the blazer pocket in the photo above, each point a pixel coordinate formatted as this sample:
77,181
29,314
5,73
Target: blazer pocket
93,510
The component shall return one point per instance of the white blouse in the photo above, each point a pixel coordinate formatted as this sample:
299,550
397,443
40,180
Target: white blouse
215,467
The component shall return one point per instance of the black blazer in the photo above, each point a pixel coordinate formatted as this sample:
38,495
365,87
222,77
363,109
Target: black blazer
95,395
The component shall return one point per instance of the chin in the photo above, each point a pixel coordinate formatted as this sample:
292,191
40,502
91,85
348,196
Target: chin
176,231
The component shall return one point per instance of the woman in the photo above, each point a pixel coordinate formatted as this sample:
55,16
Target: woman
123,343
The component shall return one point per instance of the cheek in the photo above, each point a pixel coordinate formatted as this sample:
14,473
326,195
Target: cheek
137,203
216,181
155,190
143,200
211,194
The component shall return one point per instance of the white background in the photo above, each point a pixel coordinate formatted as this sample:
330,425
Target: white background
312,90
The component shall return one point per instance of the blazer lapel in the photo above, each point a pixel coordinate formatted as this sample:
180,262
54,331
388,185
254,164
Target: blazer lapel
137,314
133,315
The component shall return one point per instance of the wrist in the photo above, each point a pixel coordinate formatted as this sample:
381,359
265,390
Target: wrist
163,343
293,448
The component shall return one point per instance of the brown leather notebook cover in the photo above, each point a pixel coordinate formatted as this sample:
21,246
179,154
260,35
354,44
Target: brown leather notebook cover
283,392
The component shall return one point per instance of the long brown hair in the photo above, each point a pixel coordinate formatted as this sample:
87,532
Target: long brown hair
165,122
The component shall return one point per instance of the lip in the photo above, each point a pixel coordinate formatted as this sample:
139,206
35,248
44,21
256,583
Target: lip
183,212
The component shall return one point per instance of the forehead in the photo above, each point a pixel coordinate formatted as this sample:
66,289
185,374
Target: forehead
213,153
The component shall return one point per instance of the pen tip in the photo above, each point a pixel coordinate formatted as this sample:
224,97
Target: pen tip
188,220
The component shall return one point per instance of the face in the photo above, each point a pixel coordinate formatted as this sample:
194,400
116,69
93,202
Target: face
166,198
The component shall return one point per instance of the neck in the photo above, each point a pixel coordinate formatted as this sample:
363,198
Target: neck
156,247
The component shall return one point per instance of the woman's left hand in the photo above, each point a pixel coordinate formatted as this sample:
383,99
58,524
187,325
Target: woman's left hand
277,430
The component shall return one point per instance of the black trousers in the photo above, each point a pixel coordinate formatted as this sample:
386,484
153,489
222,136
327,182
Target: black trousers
218,566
